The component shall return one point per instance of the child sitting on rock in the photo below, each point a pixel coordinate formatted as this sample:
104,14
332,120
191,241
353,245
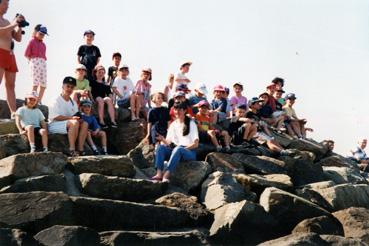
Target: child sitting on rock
82,91
274,119
158,119
207,132
30,121
219,105
141,95
242,129
94,129
295,126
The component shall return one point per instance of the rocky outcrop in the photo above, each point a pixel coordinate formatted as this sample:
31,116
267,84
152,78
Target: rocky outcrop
120,166
224,162
12,144
68,235
142,156
52,183
260,164
311,239
288,209
188,204
8,127
346,196
343,175
355,222
35,164
241,223
222,188
181,238
112,187
321,225
190,175
258,183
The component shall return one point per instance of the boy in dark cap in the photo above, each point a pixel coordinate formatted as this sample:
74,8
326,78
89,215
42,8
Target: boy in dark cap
89,54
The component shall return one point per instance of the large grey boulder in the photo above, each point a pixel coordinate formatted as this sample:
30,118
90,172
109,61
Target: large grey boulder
260,164
321,225
113,187
68,236
222,188
12,144
51,183
297,239
189,204
16,237
8,127
184,237
35,164
190,175
346,195
335,240
303,170
241,223
224,162
314,197
126,137
337,161
142,156
318,149
35,211
106,215
120,166
288,209
257,183
355,222
343,175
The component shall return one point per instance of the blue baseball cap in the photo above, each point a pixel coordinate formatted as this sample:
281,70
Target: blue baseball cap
254,100
89,32
43,29
290,96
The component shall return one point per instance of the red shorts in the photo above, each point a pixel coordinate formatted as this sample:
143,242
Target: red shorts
7,61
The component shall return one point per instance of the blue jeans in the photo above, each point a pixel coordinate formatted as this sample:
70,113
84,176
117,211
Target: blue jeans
174,156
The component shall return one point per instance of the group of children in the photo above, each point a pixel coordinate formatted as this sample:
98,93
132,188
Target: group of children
221,121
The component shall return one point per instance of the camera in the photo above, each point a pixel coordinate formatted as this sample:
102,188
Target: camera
23,23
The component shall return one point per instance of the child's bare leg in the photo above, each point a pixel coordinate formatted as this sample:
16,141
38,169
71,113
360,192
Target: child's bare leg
253,131
227,138
89,139
102,136
111,110
139,105
303,130
213,138
274,146
247,131
30,134
133,106
34,88
41,93
44,137
100,109
296,128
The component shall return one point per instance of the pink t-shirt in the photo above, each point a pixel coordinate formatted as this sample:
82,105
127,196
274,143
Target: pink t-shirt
144,88
237,101
36,49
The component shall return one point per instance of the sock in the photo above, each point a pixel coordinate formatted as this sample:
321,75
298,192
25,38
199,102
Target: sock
94,147
105,149
46,149
33,146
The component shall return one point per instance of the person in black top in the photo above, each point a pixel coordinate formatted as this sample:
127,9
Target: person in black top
241,128
273,118
102,95
158,119
113,70
89,54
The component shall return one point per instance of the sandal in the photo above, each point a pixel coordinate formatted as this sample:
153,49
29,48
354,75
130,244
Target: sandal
72,153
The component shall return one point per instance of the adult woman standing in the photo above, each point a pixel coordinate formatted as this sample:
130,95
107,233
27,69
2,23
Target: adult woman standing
180,144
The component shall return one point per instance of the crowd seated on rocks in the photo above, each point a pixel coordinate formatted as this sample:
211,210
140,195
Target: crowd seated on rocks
221,120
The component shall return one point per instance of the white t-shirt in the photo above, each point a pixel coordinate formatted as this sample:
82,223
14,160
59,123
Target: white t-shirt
60,107
29,116
124,86
175,134
179,76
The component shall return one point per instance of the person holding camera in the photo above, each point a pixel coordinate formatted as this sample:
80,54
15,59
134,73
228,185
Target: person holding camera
66,119
8,66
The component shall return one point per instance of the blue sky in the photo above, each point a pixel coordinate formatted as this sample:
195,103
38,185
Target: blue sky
321,48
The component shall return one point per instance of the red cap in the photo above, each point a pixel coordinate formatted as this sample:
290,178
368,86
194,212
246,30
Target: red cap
219,88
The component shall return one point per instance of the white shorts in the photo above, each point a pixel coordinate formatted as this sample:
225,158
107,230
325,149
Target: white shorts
58,127
262,137
38,71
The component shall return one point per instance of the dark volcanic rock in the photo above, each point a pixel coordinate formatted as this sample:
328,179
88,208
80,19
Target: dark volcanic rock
298,239
112,187
120,166
185,238
260,164
223,162
13,144
142,156
68,236
35,211
51,183
321,225
288,209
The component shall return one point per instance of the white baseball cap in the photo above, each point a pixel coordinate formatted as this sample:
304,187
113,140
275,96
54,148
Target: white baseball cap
201,88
